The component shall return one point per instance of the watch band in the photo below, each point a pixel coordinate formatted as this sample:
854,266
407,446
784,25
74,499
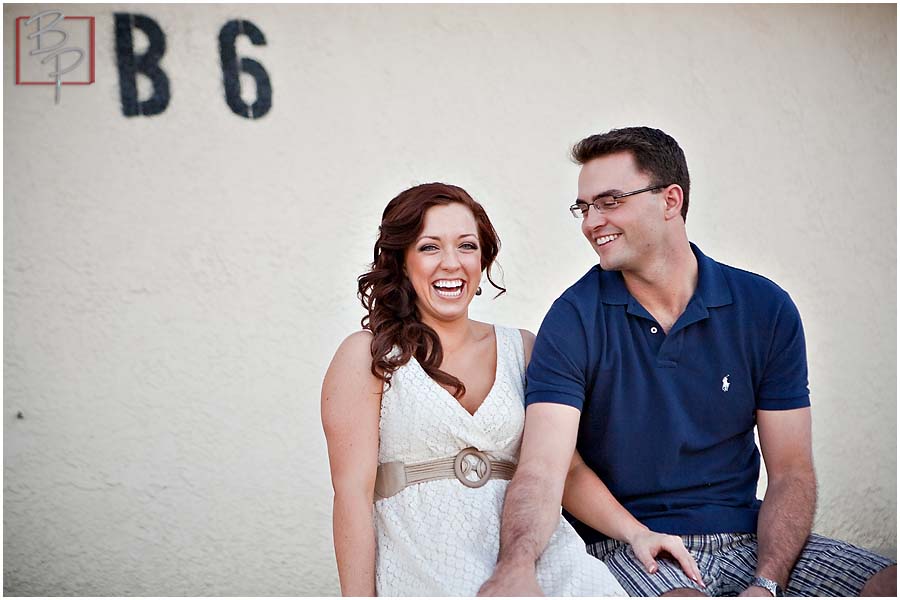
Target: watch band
768,584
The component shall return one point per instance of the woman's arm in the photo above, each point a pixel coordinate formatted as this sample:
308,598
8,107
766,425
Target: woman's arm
351,404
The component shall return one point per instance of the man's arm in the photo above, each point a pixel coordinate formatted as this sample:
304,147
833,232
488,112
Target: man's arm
786,515
588,499
531,508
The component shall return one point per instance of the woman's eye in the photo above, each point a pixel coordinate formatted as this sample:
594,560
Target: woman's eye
427,248
469,246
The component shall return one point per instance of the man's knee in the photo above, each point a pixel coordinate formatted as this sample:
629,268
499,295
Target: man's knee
683,592
882,583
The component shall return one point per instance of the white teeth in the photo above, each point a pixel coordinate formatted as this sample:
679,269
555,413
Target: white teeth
444,294
442,288
448,283
606,239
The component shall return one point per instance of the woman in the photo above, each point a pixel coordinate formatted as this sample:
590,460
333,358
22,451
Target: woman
423,414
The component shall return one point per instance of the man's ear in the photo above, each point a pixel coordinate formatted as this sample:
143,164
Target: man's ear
674,197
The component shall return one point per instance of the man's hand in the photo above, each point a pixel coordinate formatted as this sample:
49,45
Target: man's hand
755,590
648,544
508,581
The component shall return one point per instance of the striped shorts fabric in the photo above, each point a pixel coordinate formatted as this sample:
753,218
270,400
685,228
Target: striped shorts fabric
727,561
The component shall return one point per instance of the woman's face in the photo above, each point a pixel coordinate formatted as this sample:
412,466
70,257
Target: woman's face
444,263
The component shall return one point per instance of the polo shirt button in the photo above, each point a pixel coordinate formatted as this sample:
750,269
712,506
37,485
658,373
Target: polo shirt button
653,329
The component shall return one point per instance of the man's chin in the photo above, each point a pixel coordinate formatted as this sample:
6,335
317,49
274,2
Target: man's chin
609,265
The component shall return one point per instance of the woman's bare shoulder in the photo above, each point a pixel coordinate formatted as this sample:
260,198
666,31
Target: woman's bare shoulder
355,347
352,362
527,337
358,342
528,343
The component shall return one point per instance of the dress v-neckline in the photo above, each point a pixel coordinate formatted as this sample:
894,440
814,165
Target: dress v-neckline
452,398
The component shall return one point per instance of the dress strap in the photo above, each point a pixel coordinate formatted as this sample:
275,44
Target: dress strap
510,352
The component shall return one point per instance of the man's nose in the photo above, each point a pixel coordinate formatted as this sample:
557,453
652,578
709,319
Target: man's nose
595,217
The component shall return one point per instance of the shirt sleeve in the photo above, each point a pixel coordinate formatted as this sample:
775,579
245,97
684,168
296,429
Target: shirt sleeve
785,383
557,369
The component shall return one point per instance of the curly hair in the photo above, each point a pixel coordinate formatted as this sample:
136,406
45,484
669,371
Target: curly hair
388,296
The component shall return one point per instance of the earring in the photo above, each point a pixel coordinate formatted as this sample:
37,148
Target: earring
478,291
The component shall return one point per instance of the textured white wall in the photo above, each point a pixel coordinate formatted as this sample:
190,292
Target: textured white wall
175,286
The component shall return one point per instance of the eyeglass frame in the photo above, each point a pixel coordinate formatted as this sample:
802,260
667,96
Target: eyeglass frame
576,211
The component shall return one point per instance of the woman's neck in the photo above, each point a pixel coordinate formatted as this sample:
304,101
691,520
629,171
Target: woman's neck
453,334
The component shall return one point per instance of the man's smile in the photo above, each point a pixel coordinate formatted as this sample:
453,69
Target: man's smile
602,241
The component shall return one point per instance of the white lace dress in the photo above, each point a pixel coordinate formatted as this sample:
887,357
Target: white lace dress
441,538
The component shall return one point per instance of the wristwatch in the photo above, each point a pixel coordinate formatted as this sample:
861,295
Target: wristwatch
768,584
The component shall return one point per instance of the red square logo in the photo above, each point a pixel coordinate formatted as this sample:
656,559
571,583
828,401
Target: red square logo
52,49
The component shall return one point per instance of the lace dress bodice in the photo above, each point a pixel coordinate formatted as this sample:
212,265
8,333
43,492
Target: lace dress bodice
416,403
441,538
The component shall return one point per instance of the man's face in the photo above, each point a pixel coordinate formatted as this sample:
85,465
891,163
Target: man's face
625,236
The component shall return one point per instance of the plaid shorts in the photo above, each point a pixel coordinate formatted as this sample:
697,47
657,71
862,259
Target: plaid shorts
727,562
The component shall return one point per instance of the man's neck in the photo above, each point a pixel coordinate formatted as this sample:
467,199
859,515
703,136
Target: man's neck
666,284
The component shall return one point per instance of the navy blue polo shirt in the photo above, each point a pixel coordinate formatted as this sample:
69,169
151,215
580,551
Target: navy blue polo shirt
667,419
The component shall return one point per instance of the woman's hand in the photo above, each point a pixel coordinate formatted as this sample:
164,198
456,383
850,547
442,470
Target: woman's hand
647,545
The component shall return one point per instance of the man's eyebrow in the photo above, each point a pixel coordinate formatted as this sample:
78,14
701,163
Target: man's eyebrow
612,192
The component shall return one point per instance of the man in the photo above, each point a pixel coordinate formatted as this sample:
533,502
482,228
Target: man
659,363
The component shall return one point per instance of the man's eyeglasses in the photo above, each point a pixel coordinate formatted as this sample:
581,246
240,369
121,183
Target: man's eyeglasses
605,204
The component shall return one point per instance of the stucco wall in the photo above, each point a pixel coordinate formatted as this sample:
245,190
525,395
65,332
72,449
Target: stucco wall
175,285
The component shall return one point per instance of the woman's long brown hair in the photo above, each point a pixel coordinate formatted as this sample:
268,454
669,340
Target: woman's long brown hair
388,296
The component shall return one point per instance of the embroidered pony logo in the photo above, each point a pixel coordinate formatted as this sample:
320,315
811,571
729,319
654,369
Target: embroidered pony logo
725,383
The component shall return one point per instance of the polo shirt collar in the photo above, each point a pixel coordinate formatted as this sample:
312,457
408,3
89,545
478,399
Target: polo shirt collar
712,287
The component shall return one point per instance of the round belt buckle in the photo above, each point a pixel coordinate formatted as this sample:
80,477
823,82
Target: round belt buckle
472,468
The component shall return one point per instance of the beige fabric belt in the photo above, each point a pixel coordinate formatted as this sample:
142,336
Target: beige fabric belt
471,467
